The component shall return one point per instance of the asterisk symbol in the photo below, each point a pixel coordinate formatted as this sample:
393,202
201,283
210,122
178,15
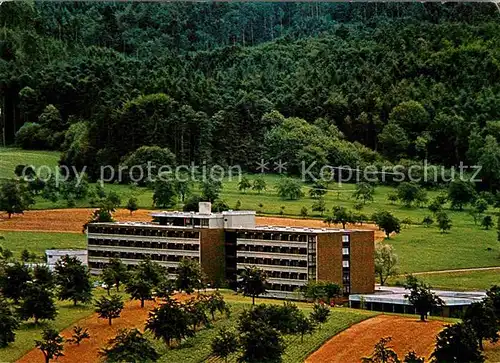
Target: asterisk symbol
280,166
262,166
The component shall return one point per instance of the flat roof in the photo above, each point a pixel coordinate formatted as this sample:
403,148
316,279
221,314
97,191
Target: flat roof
286,229
396,295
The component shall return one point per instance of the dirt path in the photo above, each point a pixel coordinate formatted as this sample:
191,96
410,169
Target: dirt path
72,220
457,270
357,342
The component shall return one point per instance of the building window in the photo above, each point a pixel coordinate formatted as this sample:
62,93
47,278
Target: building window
345,264
345,251
345,238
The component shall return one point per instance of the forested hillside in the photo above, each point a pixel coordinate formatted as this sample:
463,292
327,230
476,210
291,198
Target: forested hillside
232,83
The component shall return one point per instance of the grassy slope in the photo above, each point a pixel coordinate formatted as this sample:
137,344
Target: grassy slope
197,348
40,241
470,280
10,158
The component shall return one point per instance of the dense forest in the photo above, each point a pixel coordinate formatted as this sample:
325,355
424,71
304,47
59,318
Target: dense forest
339,83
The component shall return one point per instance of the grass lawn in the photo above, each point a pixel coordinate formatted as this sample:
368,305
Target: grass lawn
38,242
470,280
28,332
197,349
11,157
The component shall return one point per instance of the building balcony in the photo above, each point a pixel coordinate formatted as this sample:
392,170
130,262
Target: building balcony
157,251
272,255
133,237
271,268
273,243
295,282
133,261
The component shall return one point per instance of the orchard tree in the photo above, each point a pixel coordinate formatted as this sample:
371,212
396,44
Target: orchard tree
224,344
364,192
101,215
244,184
382,353
342,215
79,334
252,282
385,262
169,322
487,222
304,326
129,346
109,307
461,193
215,302
8,324
116,272
319,206
261,343
164,194
457,343
444,222
73,280
320,313
14,198
303,212
132,205
13,280
210,190
289,188
481,317
493,296
387,222
51,344
409,193
412,357
427,221
318,190
44,277
189,276
421,297
37,303
139,289
259,185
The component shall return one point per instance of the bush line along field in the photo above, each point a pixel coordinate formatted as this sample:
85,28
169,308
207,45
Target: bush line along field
419,248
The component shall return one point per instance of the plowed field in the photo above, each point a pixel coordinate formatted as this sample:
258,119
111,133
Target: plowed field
72,220
357,341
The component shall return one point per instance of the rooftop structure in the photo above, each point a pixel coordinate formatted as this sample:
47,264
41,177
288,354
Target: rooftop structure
55,255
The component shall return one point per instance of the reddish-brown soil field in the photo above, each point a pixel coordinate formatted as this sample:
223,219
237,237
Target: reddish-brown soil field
358,341
132,316
72,220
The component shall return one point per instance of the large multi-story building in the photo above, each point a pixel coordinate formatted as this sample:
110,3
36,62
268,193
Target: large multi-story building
225,243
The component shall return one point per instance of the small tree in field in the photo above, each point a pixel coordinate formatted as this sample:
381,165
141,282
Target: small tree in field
487,222
444,222
244,184
37,303
8,324
253,282
427,221
169,322
14,199
189,276
382,353
387,222
224,344
481,317
421,297
51,344
289,188
13,280
259,185
109,307
303,212
129,346
261,343
116,272
79,334
385,262
304,326
457,343
320,313
132,205
73,280
319,206
364,192
139,289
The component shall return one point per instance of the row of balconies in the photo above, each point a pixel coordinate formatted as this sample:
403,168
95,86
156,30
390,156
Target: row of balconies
126,237
138,231
269,255
156,249
271,243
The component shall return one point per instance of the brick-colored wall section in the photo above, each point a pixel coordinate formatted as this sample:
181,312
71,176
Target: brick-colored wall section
362,262
329,257
212,255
